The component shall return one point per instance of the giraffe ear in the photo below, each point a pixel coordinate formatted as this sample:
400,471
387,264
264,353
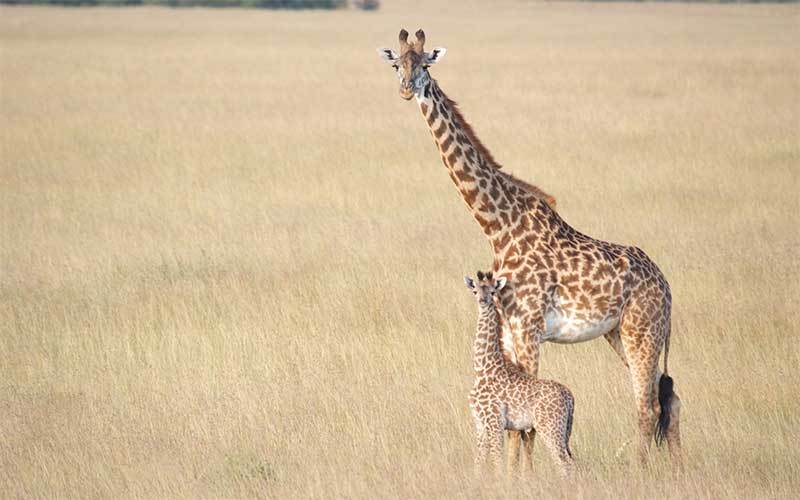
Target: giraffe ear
470,284
435,55
500,283
388,55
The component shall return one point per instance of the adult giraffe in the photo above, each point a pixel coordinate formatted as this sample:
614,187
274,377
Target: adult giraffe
564,286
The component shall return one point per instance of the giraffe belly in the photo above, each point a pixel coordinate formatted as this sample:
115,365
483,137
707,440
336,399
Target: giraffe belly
517,420
564,329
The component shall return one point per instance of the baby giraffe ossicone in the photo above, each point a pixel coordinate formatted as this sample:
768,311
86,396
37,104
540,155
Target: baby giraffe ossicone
505,398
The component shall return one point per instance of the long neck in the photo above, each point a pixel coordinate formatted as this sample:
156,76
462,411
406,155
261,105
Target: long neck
487,192
487,356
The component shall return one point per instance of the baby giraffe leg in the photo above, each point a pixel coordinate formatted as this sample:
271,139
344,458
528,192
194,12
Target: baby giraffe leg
559,449
490,444
481,453
494,445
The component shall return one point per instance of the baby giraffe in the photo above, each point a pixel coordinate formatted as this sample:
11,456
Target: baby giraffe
505,398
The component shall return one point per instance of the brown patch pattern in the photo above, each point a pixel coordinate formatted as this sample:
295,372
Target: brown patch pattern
503,397
555,271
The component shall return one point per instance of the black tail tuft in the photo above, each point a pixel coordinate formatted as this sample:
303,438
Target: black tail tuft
569,426
665,402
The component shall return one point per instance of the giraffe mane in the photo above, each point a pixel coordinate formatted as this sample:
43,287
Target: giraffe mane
530,188
525,186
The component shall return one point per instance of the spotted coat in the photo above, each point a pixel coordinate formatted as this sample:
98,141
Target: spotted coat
505,398
564,286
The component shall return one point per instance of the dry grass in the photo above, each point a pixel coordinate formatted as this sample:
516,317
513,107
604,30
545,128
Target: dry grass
231,259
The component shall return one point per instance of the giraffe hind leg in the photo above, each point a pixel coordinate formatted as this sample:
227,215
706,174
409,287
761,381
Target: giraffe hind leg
642,348
615,342
667,407
673,433
558,446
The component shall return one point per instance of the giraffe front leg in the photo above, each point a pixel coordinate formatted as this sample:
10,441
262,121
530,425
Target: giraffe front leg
527,337
481,447
527,452
527,340
481,453
513,445
490,442
490,449
494,444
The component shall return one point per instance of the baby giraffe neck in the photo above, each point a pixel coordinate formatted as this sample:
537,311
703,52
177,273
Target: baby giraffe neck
486,350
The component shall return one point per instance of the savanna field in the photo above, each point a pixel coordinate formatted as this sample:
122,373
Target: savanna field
232,260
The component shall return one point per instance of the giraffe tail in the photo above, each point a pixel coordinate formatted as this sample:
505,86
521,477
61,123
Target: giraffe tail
665,402
569,425
665,392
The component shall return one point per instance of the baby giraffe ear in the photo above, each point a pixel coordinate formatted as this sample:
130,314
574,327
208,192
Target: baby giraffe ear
435,55
468,281
500,283
388,55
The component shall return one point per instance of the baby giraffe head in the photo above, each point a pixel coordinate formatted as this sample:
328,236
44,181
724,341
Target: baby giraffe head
411,65
485,288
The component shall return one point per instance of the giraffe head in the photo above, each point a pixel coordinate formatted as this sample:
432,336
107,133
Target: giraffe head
411,65
485,288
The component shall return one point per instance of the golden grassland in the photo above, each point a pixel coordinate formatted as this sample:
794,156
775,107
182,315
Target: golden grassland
232,260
